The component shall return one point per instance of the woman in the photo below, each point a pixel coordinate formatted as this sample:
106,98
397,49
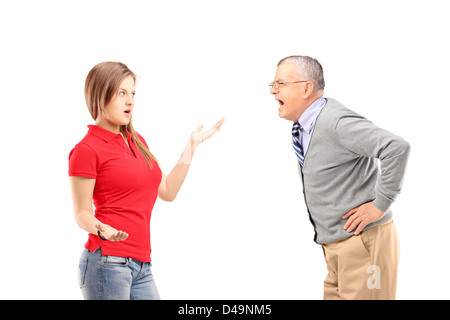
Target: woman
113,169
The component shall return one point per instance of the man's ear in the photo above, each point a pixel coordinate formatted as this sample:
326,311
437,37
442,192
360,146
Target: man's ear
309,89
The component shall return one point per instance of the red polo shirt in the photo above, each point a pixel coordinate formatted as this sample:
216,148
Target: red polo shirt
125,190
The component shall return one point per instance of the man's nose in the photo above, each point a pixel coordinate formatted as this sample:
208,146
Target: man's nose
274,91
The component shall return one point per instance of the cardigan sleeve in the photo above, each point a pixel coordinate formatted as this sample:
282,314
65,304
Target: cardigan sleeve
362,137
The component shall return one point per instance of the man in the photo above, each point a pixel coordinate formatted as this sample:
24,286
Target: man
346,195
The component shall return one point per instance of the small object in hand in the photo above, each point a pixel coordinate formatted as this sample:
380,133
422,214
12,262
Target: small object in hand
99,235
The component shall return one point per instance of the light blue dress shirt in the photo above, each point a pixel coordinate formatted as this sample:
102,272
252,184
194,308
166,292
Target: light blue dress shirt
307,121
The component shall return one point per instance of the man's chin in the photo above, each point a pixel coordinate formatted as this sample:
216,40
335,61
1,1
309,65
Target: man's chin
284,115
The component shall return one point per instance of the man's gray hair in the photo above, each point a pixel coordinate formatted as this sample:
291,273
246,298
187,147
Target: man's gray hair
308,68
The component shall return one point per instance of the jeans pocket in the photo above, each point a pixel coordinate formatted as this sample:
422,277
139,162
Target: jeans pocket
82,266
116,261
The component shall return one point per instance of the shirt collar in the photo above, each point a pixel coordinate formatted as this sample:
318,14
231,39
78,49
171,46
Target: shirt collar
309,116
104,134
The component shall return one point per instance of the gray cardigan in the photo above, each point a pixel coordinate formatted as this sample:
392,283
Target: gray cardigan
340,170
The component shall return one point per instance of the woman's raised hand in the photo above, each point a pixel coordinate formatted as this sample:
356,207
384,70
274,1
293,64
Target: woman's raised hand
198,137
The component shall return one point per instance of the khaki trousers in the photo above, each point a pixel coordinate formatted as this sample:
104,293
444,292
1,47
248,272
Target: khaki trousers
363,267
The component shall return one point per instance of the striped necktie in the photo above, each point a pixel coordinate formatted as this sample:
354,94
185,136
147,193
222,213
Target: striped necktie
296,142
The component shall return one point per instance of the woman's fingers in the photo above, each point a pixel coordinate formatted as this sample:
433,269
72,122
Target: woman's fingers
208,134
119,236
199,128
110,233
219,124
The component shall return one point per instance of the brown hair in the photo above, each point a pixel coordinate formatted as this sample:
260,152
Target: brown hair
101,85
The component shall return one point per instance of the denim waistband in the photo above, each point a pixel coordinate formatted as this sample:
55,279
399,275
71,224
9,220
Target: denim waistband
99,252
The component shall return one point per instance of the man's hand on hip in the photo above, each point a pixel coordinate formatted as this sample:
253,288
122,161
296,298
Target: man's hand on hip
361,216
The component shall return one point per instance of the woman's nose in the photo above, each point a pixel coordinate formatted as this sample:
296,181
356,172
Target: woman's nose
130,100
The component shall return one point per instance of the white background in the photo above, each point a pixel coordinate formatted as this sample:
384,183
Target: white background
238,228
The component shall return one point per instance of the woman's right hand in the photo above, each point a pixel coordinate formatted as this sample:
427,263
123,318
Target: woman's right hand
111,234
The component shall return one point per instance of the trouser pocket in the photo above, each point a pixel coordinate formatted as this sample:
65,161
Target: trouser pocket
115,261
82,266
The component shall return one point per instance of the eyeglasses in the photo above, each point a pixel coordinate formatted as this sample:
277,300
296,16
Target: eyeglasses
277,84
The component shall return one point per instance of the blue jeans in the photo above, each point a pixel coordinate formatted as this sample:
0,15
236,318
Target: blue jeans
115,278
